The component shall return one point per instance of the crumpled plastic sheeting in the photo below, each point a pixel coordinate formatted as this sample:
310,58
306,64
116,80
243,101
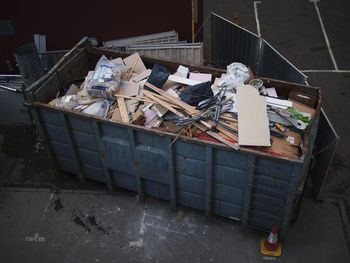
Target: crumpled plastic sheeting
99,109
236,73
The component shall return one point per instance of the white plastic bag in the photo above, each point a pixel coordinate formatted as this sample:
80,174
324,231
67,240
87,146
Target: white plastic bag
236,73
106,78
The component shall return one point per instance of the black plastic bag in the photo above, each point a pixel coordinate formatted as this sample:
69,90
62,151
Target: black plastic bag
192,95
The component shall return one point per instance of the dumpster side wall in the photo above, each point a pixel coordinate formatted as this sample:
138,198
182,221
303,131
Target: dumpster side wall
257,190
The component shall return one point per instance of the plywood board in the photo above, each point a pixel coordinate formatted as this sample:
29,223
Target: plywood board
303,108
283,147
253,123
118,61
141,76
116,116
123,109
128,88
132,59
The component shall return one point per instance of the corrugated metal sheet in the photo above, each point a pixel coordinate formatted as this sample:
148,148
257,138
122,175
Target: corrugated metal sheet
163,37
186,53
50,58
232,43
325,146
29,63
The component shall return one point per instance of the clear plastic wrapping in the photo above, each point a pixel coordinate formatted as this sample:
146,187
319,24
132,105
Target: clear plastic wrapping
106,78
99,108
236,73
66,102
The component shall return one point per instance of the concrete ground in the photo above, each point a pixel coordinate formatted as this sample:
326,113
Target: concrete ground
89,226
46,217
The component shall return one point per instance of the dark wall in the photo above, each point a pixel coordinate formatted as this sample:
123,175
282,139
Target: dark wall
65,22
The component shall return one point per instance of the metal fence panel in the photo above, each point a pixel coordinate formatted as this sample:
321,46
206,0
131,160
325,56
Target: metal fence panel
232,43
163,37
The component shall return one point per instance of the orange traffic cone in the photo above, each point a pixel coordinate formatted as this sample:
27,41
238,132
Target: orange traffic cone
271,246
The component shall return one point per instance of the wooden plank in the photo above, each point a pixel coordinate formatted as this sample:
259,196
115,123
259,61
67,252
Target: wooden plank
123,111
132,59
141,76
176,101
163,103
226,132
190,110
132,98
166,100
212,134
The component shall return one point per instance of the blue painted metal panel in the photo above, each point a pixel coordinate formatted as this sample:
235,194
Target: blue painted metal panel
95,173
269,187
190,184
191,200
226,209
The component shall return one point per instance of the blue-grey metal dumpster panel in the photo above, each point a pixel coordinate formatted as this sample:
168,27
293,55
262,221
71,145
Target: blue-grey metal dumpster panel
271,179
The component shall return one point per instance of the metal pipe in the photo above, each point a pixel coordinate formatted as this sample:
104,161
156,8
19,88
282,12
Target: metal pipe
10,76
8,88
192,5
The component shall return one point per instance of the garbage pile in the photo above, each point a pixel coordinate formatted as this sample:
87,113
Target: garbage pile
235,109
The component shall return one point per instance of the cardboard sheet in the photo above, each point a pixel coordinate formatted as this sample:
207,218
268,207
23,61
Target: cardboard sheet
131,60
128,88
141,76
118,60
253,123
303,108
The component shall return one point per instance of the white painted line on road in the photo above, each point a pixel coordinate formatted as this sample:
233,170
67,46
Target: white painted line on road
325,71
257,17
325,34
47,207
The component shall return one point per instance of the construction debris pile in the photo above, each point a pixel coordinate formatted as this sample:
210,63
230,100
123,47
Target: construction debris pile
235,109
